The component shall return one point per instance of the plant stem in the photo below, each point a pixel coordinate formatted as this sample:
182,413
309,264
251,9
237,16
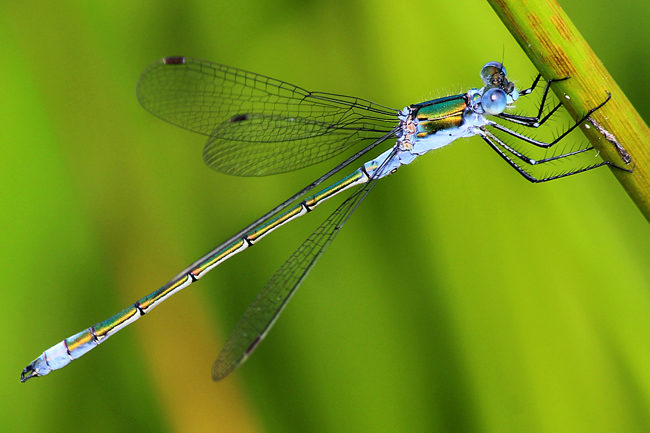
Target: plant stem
557,49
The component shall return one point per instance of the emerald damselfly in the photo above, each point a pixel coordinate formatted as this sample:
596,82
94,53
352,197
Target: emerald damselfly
260,126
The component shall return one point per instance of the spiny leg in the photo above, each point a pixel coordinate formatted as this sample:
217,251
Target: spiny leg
495,144
559,138
526,158
532,86
534,122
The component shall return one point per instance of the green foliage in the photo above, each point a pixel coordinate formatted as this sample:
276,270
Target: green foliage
557,49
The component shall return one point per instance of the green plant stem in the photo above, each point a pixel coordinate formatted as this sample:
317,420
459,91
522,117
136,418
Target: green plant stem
557,50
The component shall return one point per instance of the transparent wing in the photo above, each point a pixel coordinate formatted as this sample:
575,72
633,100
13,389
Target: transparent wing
257,125
266,308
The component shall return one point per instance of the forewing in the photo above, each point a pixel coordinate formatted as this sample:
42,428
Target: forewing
257,125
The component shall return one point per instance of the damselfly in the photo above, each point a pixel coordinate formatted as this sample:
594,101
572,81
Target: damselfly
259,126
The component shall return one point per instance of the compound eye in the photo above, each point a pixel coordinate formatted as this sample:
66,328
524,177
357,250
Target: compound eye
494,101
491,72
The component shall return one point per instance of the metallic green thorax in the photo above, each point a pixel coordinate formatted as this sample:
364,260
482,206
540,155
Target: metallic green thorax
439,114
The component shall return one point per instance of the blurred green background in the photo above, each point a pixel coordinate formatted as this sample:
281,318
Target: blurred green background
458,298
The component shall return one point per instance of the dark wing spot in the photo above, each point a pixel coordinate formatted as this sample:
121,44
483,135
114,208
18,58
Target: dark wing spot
174,60
238,118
